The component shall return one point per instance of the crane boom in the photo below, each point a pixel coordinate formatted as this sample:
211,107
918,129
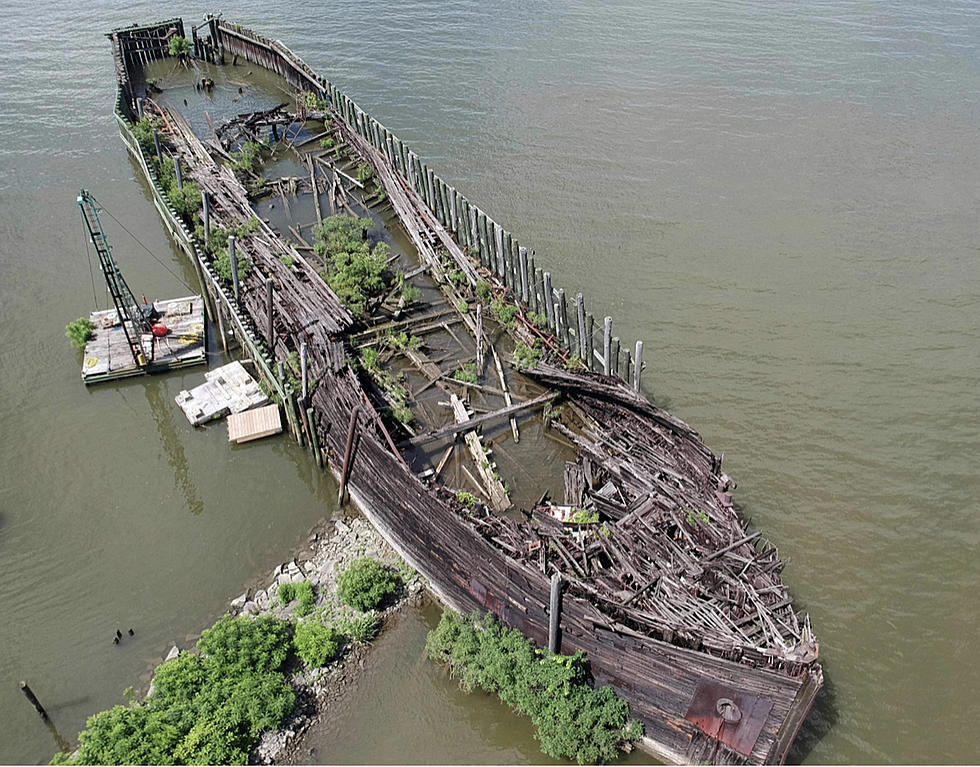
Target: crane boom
135,324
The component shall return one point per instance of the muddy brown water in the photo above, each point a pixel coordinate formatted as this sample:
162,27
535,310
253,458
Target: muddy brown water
779,199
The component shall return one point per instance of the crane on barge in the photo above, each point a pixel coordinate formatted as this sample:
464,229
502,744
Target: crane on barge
134,317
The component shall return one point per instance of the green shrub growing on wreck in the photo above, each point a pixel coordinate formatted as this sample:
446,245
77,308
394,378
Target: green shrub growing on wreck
573,720
79,332
365,584
526,357
209,708
143,133
178,46
467,373
355,270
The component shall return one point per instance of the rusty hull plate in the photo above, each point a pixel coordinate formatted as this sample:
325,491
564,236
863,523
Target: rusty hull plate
740,735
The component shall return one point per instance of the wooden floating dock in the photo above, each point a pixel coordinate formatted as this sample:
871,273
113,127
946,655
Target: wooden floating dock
107,354
254,424
678,605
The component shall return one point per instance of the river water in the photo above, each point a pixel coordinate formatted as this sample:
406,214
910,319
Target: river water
780,199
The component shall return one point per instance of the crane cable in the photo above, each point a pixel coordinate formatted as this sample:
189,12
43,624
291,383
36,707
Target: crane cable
159,261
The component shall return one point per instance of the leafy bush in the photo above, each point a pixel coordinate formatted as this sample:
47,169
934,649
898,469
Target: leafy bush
326,143
360,628
369,358
462,306
354,269
304,593
245,161
538,319
143,132
467,499
526,357
316,643
574,363
483,291
573,720
505,313
364,172
179,46
466,373
585,517
222,265
287,260
79,332
207,709
366,583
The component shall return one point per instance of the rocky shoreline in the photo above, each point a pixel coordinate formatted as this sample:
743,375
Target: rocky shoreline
333,545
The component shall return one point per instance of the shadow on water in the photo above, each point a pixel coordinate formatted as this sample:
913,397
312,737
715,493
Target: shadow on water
170,440
819,723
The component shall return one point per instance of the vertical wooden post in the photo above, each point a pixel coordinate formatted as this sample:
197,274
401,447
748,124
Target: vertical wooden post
539,301
484,241
549,303
347,451
554,615
139,108
580,312
474,234
302,371
29,693
508,260
565,338
156,143
614,351
206,215
270,328
498,239
233,258
637,364
479,339
314,439
606,344
522,259
590,341
453,213
179,173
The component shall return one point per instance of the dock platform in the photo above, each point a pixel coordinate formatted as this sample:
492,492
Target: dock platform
107,355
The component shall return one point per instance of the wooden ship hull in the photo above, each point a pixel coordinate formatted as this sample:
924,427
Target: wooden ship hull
677,605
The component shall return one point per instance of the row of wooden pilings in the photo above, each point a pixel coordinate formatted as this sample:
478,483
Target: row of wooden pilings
575,329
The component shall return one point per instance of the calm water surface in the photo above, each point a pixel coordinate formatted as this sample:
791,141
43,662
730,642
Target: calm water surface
779,198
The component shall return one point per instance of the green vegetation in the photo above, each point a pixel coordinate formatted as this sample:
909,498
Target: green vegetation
360,628
187,200
467,499
585,517
179,46
462,306
316,643
526,357
302,591
605,532
364,172
573,720
574,363
483,291
403,341
538,319
700,516
143,132
79,332
366,583
287,260
245,161
327,143
314,103
354,269
505,313
205,709
467,373
369,358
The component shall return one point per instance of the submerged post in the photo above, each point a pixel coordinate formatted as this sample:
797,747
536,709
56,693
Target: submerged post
347,451
233,258
606,345
637,365
29,694
554,615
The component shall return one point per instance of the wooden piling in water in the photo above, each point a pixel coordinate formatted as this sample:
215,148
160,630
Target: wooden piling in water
314,439
637,365
590,341
565,337
206,215
580,316
549,303
302,372
522,259
29,694
606,345
614,352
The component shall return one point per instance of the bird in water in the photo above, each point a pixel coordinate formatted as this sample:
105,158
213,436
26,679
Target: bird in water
131,632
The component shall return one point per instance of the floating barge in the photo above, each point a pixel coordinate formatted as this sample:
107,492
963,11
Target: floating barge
679,606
